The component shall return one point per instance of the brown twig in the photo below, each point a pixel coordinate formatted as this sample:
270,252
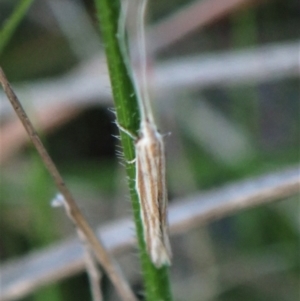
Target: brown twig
13,136
91,268
66,259
101,254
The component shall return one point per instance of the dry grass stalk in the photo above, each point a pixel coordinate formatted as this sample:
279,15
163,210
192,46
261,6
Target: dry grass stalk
101,254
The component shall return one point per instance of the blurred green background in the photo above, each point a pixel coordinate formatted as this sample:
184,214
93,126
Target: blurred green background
253,255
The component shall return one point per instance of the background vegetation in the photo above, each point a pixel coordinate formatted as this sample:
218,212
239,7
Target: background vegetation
253,255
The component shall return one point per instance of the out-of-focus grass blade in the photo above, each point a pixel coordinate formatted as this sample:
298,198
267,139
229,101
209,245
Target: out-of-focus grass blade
12,22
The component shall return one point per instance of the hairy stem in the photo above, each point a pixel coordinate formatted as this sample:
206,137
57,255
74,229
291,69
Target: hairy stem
156,280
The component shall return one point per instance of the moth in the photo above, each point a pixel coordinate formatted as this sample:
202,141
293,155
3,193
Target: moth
149,155
152,192
150,185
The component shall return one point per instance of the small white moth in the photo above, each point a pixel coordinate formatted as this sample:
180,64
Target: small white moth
152,192
150,157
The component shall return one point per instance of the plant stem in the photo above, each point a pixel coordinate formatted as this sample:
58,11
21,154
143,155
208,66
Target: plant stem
157,285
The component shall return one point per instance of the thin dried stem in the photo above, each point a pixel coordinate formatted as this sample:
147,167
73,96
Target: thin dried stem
92,270
101,254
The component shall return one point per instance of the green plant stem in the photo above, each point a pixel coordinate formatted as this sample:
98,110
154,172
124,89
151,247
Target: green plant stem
157,285
12,23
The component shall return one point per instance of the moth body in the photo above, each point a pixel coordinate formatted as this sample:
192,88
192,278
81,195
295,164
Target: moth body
152,192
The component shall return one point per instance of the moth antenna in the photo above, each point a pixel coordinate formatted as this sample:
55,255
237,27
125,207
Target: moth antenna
144,102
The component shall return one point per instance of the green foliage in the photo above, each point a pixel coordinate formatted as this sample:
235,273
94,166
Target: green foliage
12,23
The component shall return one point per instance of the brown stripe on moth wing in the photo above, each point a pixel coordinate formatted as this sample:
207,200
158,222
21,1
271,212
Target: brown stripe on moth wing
152,155
149,201
160,191
162,197
161,187
151,177
148,168
141,188
152,152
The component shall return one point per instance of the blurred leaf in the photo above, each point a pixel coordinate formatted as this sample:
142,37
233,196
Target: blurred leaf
12,23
